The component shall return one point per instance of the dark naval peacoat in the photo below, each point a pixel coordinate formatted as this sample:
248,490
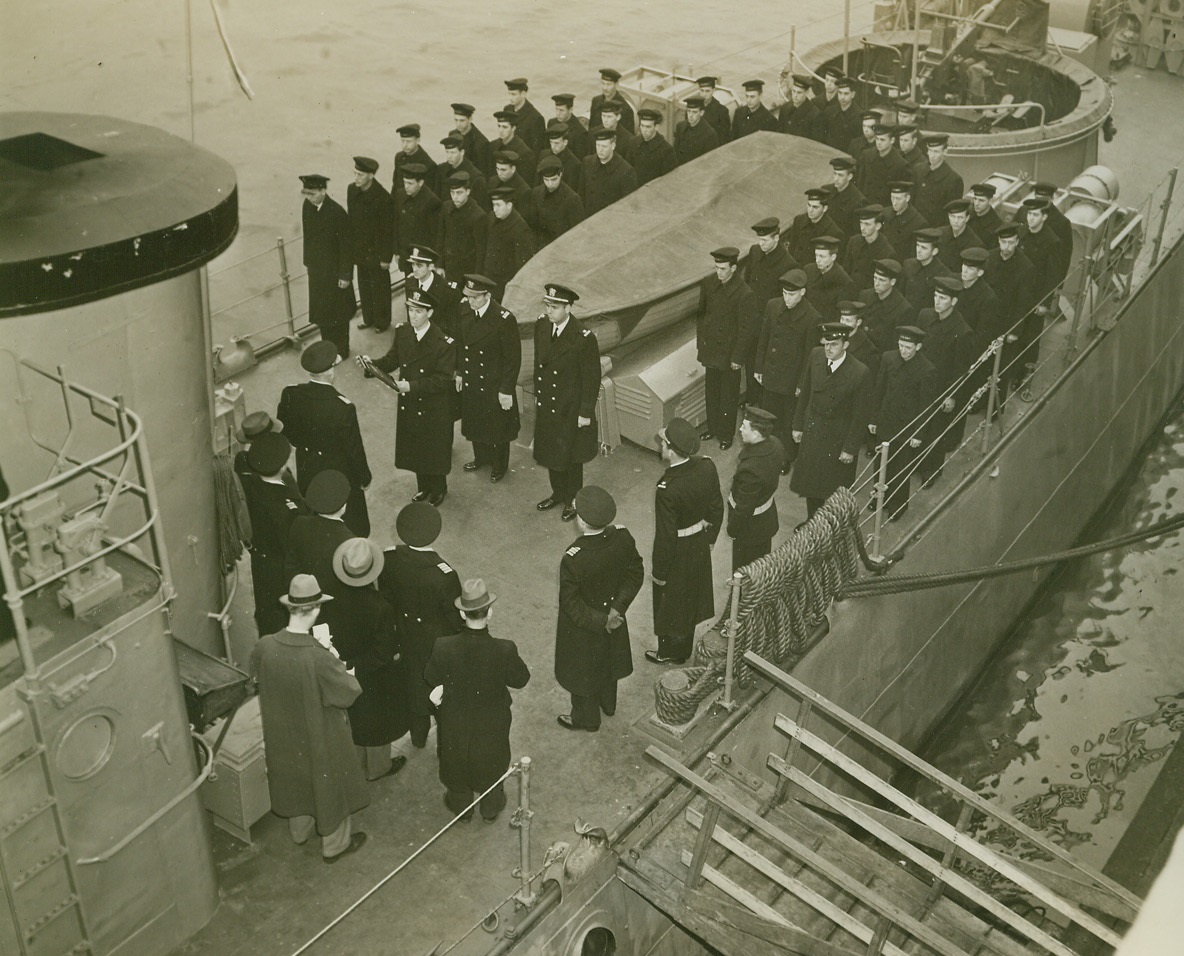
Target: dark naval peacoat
488,362
832,416
567,384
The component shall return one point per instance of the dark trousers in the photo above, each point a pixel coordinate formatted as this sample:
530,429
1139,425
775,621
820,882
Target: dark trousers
747,550
951,437
420,725
900,470
338,334
374,289
678,646
432,484
812,505
491,804
586,709
494,454
565,483
721,393
753,393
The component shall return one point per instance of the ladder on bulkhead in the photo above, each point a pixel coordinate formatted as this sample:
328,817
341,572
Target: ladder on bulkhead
36,872
800,867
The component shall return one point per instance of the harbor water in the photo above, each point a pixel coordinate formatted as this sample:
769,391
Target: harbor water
1071,723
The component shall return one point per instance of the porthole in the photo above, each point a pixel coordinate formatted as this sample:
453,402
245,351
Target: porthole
86,746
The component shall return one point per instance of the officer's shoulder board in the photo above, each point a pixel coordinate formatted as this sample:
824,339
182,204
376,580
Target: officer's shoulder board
448,339
506,313
573,551
445,567
585,332
344,399
662,483
452,284
292,506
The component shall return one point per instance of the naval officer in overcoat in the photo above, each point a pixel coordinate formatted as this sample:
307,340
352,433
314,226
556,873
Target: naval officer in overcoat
567,384
488,362
688,515
599,576
322,424
830,420
425,359
752,508
329,259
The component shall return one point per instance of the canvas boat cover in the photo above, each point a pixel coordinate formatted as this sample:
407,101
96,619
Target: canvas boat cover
657,240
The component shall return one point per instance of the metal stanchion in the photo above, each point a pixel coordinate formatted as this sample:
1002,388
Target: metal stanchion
881,493
1163,216
992,395
286,279
733,629
521,821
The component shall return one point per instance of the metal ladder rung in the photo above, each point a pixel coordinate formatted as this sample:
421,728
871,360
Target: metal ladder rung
36,810
42,864
21,759
48,917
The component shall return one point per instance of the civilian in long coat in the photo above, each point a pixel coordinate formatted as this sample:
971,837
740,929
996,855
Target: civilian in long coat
367,642
752,509
329,259
567,385
509,241
313,773
322,424
370,221
830,421
426,362
688,516
606,177
599,576
488,362
422,588
475,671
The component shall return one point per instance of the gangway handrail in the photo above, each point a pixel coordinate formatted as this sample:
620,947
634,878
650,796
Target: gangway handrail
869,734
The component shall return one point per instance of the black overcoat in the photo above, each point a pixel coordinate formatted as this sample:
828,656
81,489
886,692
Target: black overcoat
652,158
555,212
423,428
488,362
903,394
329,258
367,642
509,244
762,270
597,573
691,142
832,416
883,317
758,472
936,188
566,384
462,239
687,493
825,290
422,588
728,322
415,220
746,121
787,336
799,120
272,507
312,540
604,183
370,222
476,671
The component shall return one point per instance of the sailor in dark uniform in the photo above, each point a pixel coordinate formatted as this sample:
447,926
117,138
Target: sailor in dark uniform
862,251
908,139
978,303
272,505
606,177
652,155
599,576
939,185
567,385
727,326
799,117
752,508
370,224
1010,272
840,120
694,136
416,213
1060,224
411,152
425,360
475,144
845,197
862,143
881,166
810,225
886,309
903,221
826,281
456,160
1049,255
508,140
830,420
715,114
561,152
688,515
463,230
447,293
509,241
859,344
313,538
422,588
609,78
328,257
918,273
578,139
984,220
752,116
905,388
505,165
957,235
610,118
322,424
253,425
555,206
788,333
489,358
767,261
531,125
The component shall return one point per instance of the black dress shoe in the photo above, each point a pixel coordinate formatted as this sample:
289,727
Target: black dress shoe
787,468
569,513
725,444
564,721
497,476
355,844
705,433
397,764
470,466
548,503
420,496
437,497
655,658
492,819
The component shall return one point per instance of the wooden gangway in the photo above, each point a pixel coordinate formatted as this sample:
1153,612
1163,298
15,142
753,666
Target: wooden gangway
835,860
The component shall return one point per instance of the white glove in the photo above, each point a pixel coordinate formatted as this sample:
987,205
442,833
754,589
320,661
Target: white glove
437,695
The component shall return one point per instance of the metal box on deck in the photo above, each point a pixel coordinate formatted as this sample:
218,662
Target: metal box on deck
237,793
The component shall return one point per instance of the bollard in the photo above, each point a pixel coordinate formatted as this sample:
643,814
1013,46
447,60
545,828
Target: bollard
521,821
881,493
287,281
733,627
992,395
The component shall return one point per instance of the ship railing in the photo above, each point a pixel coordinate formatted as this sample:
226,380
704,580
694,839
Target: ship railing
123,475
949,848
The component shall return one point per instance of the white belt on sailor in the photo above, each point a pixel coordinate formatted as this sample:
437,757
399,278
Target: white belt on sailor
758,510
698,526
